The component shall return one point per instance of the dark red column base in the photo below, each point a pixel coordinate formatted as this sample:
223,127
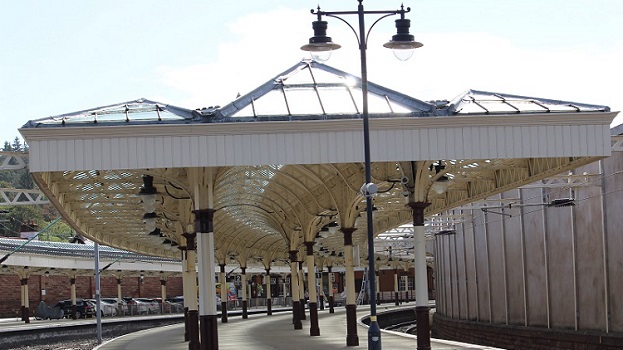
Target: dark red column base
186,325
27,314
269,306
423,327
303,316
209,333
245,311
396,298
314,329
321,302
331,305
351,326
74,312
378,298
193,330
224,312
296,315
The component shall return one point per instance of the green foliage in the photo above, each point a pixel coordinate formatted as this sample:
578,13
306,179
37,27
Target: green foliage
18,215
59,232
13,217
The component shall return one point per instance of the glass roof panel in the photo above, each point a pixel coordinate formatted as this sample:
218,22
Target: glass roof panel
303,101
116,114
320,76
271,103
337,100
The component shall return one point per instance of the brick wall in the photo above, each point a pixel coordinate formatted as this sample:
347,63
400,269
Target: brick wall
57,287
521,338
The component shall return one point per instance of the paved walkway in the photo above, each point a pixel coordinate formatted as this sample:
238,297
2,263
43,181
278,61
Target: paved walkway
261,332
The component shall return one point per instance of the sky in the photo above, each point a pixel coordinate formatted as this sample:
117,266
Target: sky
63,56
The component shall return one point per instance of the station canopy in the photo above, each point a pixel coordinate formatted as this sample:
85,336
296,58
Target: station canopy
287,162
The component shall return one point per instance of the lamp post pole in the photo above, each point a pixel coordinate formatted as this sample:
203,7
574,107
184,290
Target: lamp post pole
401,42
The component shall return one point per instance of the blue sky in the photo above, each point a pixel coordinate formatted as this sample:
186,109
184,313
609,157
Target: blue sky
63,56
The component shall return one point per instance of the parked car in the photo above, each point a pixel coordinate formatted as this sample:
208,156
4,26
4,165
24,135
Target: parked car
83,308
176,304
152,305
143,306
122,307
107,308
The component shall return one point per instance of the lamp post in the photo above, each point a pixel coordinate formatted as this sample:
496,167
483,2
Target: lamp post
401,43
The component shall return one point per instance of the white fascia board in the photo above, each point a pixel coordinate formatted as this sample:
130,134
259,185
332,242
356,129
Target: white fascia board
317,142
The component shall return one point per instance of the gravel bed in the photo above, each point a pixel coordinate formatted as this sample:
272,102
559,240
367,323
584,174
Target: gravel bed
83,344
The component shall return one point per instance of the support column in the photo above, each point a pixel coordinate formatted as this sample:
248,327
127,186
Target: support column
224,289
163,292
314,329
207,284
74,307
321,295
189,278
284,287
245,312
352,339
119,297
378,287
269,295
331,280
397,302
185,292
25,301
294,290
422,312
301,282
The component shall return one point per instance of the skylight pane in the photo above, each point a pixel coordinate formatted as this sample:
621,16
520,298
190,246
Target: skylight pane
303,101
337,100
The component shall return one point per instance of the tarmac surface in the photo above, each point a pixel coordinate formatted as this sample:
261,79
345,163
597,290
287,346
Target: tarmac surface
276,332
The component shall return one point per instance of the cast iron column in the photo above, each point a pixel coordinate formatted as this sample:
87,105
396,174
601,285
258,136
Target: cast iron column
25,301
269,294
163,292
189,278
119,296
301,283
314,330
184,289
378,287
422,312
224,296
74,307
352,339
321,288
243,277
396,286
330,288
208,318
294,291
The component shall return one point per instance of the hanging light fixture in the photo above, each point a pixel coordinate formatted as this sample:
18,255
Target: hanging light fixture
320,45
148,194
403,44
150,220
440,186
333,227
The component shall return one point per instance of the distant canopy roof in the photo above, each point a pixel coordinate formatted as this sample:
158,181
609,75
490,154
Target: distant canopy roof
312,91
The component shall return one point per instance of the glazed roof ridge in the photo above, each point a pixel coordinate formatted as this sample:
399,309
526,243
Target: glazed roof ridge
310,90
515,104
